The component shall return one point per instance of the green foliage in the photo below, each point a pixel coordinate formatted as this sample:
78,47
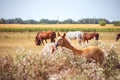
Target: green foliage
2,21
59,29
102,23
116,23
68,21
47,21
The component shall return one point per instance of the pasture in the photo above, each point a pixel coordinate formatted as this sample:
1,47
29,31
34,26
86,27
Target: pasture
58,27
26,62
12,42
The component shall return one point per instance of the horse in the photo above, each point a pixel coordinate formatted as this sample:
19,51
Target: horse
90,53
44,35
118,36
49,48
89,36
74,35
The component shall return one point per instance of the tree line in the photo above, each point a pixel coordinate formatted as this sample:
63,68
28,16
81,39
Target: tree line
47,21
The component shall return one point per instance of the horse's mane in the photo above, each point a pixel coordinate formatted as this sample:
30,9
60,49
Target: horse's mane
37,35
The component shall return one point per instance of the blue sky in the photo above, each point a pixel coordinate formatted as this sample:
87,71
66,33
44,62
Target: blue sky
63,9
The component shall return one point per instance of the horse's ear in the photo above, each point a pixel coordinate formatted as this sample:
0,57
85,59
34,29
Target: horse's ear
64,35
58,34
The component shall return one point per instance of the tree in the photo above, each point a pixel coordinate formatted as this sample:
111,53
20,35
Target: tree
102,23
68,21
18,21
44,21
116,23
2,21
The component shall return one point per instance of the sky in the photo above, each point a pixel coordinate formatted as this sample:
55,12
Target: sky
60,9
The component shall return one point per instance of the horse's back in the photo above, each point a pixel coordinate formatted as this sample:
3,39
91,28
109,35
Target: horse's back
47,34
94,52
74,34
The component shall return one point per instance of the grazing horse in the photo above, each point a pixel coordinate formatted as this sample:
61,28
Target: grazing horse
118,36
74,35
89,36
44,35
90,53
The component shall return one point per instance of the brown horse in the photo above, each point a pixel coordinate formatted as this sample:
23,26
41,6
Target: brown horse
44,35
89,36
90,53
118,36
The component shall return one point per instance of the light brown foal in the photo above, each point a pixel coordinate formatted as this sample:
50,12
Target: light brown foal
92,52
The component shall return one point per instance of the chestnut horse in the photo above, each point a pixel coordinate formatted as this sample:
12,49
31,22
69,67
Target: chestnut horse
92,52
89,36
117,37
44,35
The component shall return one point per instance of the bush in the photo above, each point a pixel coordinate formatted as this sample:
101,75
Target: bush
102,23
61,65
110,66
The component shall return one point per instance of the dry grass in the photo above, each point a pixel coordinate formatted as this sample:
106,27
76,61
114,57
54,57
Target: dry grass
10,42
56,26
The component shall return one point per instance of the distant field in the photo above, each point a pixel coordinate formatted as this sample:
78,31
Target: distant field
58,27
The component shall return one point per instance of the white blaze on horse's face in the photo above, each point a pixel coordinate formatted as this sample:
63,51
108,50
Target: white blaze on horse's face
58,41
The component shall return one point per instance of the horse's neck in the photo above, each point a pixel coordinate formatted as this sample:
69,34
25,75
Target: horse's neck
76,51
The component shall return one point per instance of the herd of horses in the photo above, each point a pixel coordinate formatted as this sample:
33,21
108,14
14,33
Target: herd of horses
80,36
90,53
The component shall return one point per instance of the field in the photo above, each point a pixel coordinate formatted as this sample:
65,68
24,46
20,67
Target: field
58,27
21,46
10,41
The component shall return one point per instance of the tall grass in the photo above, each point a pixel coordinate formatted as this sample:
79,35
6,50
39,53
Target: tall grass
61,65
59,29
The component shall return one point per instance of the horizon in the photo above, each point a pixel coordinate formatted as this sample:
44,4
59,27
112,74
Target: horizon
60,9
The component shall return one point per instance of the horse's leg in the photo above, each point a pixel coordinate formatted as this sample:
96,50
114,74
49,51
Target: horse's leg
87,41
51,39
42,41
79,40
97,42
46,40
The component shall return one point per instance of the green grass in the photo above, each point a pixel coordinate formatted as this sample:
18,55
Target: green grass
59,29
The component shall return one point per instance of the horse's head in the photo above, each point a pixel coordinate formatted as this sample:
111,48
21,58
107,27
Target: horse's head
37,40
117,37
61,41
96,35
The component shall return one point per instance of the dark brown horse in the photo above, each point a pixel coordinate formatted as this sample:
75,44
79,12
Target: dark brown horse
118,36
89,36
44,35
